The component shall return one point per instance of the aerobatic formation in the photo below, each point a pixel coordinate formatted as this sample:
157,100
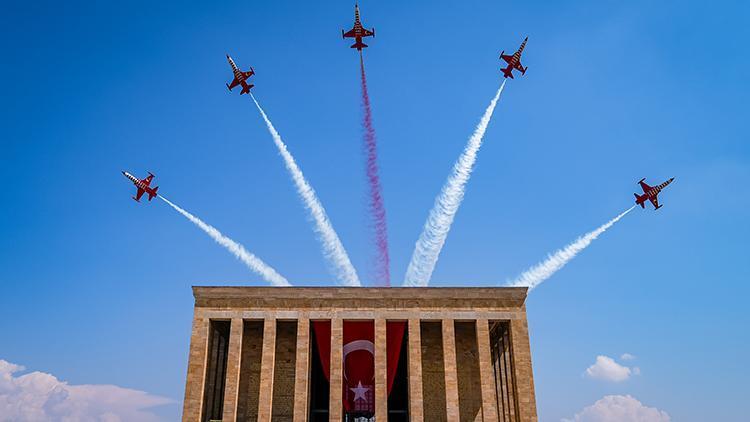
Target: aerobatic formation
438,224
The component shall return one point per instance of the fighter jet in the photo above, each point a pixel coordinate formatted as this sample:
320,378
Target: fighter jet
240,77
650,193
143,185
358,32
514,61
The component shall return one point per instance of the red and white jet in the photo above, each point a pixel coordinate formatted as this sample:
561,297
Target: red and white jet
143,185
240,77
514,61
358,32
650,193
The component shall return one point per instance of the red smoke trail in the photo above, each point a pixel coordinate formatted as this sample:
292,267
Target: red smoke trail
383,273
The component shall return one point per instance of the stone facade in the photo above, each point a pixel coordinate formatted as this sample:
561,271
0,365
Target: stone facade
457,370
467,368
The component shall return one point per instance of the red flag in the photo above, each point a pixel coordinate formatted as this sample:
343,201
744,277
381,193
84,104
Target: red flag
358,389
394,335
323,340
359,366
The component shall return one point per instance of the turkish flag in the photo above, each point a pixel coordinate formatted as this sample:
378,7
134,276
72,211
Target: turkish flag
358,389
359,366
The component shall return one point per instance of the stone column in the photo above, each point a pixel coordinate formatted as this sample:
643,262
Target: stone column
381,371
335,405
416,404
302,371
486,373
265,398
196,369
519,340
232,386
451,374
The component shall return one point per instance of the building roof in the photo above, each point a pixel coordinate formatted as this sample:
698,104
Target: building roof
359,297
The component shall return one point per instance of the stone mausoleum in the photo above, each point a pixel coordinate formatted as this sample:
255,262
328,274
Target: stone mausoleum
359,355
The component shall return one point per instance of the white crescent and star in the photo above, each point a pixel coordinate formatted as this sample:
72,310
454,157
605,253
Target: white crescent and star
355,345
360,391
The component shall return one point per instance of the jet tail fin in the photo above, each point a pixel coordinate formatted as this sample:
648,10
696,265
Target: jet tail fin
508,73
153,193
358,45
246,90
640,201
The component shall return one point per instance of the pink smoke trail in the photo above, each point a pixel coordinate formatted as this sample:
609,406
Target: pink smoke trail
377,209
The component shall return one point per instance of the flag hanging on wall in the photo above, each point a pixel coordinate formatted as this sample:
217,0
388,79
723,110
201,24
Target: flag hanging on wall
358,387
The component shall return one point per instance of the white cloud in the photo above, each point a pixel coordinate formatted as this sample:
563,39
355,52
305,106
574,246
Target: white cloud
619,409
41,397
627,356
605,368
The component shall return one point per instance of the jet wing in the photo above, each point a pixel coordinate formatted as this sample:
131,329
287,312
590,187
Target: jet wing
249,73
147,181
139,194
234,83
350,34
644,186
367,33
506,57
519,67
654,201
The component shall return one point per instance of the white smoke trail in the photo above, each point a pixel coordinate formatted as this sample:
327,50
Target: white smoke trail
333,250
253,262
535,275
435,231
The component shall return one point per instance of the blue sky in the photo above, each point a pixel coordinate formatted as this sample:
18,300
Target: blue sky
96,288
